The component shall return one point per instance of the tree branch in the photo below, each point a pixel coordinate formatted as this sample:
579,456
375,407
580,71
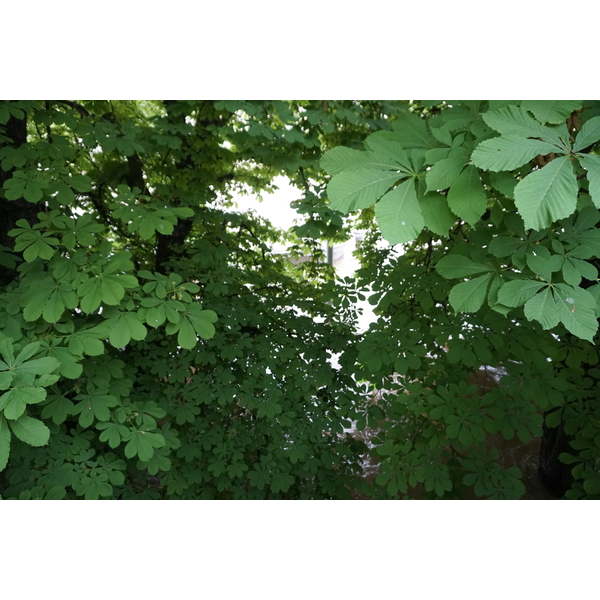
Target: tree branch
78,107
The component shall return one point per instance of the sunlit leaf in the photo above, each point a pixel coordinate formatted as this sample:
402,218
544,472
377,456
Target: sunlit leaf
467,198
453,266
591,163
542,308
551,111
349,191
548,194
516,293
508,152
470,295
31,431
399,214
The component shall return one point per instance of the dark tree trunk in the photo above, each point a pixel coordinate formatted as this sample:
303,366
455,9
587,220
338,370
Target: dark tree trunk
13,210
10,212
555,475
169,246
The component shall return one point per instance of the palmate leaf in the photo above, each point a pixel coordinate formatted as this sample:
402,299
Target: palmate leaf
15,400
149,222
350,191
124,327
516,293
113,433
31,431
4,443
437,215
68,367
61,298
34,244
48,299
269,409
81,183
6,378
342,159
387,143
577,310
551,111
548,194
591,163
156,316
492,297
571,273
399,215
95,290
157,463
590,240
504,183
142,444
445,172
282,482
38,366
82,230
81,343
93,404
91,488
412,131
588,134
508,152
468,296
542,308
505,246
27,352
467,198
584,268
544,265
12,404
186,338
513,120
454,266
58,409
202,320
40,248
35,298
192,324
29,185
185,413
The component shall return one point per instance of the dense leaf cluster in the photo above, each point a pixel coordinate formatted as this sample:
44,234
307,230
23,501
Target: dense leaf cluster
152,346
496,204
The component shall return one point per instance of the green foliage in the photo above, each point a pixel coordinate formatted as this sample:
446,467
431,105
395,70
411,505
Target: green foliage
152,346
501,229
545,198
399,213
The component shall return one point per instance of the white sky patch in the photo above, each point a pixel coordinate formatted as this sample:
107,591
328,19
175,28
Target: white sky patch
276,206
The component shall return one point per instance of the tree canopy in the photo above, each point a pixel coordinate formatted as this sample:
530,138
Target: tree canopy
153,346
496,205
